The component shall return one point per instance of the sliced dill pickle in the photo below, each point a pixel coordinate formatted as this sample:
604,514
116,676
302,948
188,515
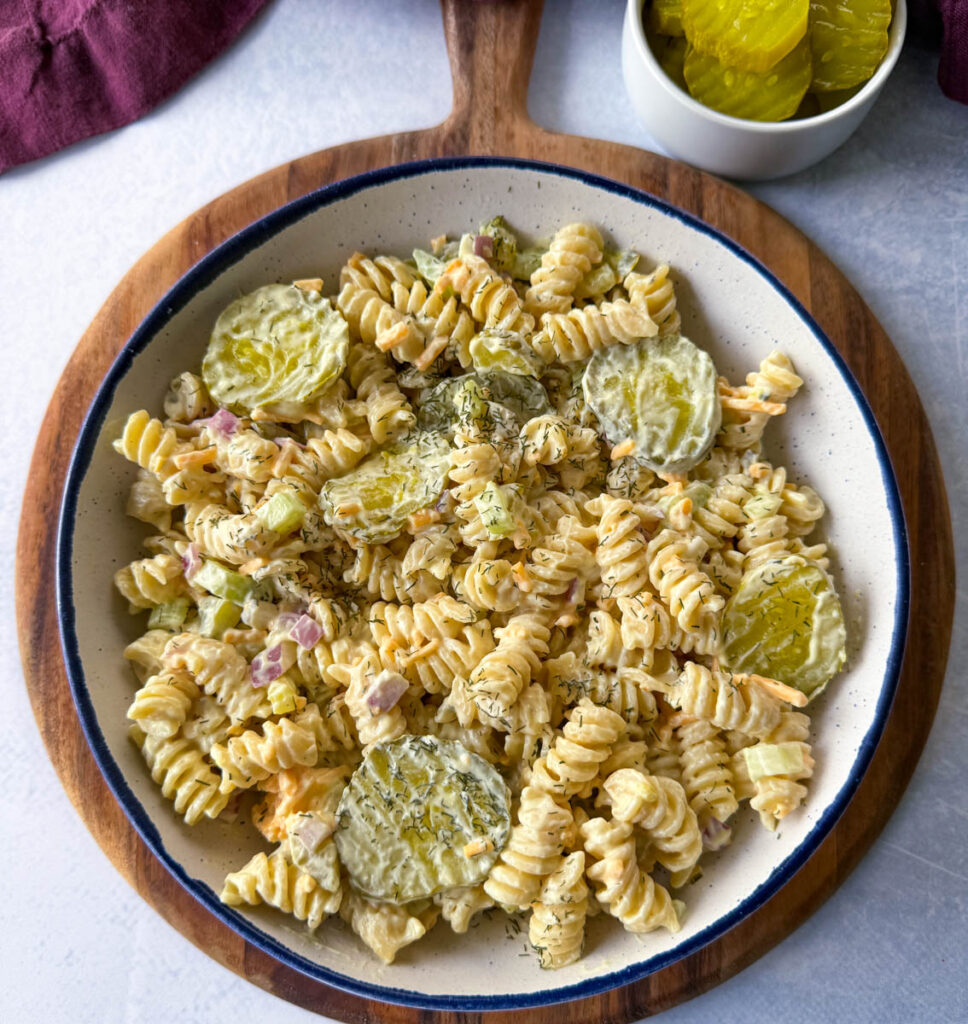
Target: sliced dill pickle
848,39
420,815
785,621
494,349
809,107
279,343
749,34
670,52
772,95
833,98
665,17
519,397
372,501
661,395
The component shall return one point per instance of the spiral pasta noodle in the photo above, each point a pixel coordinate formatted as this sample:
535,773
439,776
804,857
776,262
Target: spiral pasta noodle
161,706
491,301
716,697
150,581
641,904
659,807
185,778
543,828
574,250
557,925
388,412
706,774
277,883
376,322
687,592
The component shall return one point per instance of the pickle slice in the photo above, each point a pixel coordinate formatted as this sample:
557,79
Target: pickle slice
420,815
670,52
772,95
521,397
665,17
372,501
785,621
660,394
752,35
279,343
494,349
833,98
848,39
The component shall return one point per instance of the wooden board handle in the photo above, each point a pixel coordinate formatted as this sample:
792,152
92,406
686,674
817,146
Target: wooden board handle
491,47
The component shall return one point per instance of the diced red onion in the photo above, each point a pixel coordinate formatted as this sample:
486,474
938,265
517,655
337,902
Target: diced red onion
385,690
572,591
311,831
223,423
267,666
285,621
715,835
191,561
442,501
484,246
306,632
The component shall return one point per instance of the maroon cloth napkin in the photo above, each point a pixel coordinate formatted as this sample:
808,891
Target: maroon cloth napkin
953,69
74,68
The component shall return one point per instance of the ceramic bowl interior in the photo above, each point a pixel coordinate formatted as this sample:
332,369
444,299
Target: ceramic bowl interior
730,305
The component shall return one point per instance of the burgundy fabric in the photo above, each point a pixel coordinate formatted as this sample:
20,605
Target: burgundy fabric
953,69
70,69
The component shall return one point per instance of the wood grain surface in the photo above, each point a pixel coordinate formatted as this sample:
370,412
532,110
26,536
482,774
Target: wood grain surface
491,47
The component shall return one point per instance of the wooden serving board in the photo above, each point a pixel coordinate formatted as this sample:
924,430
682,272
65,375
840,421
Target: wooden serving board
491,48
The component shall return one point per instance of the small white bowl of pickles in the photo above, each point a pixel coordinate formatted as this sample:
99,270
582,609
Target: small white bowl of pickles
757,89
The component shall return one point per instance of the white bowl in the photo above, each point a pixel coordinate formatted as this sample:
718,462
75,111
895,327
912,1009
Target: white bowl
732,306
732,146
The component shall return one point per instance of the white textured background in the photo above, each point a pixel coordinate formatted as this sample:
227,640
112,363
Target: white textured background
890,208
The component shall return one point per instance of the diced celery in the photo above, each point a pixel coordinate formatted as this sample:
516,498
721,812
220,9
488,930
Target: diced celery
527,262
495,511
282,512
429,267
505,243
216,615
764,759
169,615
597,281
622,261
221,581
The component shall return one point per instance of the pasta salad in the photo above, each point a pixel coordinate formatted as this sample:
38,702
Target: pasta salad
471,585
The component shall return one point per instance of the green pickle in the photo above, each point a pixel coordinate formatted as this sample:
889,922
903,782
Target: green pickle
279,343
665,17
785,621
772,95
752,35
216,615
421,815
670,52
471,396
660,394
494,349
221,581
848,39
504,244
833,98
372,501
